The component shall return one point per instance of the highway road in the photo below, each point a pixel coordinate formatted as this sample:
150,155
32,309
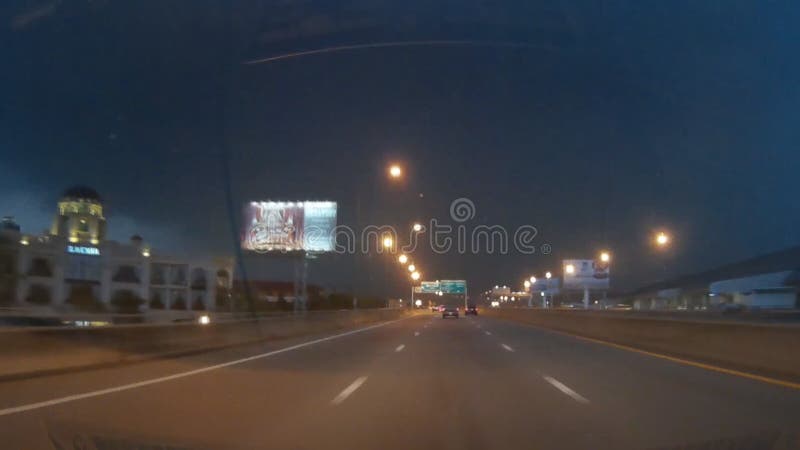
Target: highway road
416,383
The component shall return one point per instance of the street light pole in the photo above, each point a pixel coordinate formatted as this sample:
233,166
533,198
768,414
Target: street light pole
548,300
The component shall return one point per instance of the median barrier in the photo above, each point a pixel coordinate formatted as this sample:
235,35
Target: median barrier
766,349
28,352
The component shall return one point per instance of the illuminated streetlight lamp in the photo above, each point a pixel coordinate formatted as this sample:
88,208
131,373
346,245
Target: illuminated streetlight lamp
662,239
605,257
527,284
412,268
570,269
395,171
403,259
548,275
533,280
415,276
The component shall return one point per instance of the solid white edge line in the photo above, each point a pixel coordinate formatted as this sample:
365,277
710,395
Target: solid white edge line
565,389
348,390
400,348
125,387
507,347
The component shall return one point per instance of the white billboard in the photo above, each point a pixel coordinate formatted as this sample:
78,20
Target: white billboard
585,274
546,285
289,226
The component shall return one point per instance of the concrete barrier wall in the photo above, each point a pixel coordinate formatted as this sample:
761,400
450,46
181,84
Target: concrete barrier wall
767,349
36,351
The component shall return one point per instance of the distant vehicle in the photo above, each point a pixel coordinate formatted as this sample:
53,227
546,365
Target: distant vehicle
440,308
621,307
450,311
471,310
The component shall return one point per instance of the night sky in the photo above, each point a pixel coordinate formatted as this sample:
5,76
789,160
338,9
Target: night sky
609,119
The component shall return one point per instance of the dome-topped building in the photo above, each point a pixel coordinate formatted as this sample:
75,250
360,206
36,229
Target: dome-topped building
80,216
75,266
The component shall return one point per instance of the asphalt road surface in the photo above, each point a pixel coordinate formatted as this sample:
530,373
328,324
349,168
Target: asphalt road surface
416,383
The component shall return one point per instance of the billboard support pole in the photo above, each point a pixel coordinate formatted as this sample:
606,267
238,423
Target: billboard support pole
300,279
585,298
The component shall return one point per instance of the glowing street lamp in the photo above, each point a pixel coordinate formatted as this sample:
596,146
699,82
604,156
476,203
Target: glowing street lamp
662,239
570,269
605,257
533,280
527,284
412,268
415,276
395,171
403,259
548,275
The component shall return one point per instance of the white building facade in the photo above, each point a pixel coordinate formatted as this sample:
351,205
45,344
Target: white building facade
75,262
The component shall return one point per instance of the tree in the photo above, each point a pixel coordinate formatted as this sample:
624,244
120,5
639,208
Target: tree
126,302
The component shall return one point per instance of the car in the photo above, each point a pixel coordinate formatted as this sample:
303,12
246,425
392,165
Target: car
450,311
471,310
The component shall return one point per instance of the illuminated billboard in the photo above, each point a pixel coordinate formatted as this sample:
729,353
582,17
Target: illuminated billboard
585,274
289,226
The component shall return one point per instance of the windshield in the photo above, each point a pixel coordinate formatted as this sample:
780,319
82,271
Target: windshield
386,224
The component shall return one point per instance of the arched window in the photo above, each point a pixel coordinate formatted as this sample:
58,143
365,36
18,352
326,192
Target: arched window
198,279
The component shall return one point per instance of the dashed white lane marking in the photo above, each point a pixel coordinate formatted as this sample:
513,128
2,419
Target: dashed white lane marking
348,390
507,347
488,333
400,348
416,333
125,387
563,388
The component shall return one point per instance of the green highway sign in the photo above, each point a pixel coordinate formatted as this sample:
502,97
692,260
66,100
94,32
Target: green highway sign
453,286
430,287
